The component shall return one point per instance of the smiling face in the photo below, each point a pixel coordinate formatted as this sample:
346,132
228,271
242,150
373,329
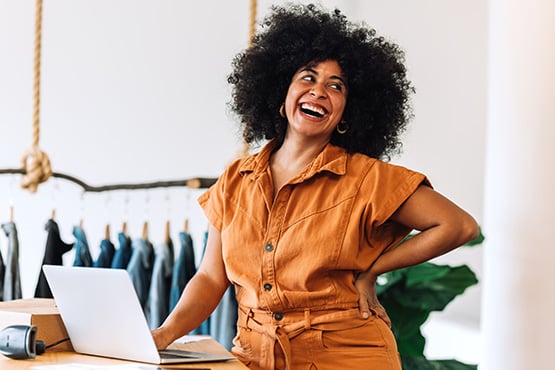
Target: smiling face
316,99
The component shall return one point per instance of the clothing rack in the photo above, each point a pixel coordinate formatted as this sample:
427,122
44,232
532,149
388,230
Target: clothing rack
194,183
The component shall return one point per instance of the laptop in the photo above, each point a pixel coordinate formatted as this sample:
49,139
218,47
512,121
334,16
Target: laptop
103,317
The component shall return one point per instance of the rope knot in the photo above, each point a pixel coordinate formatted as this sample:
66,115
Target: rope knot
37,169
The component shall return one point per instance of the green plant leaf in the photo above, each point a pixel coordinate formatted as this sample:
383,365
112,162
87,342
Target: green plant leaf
434,295
452,365
421,363
424,273
416,363
406,323
455,281
389,279
411,345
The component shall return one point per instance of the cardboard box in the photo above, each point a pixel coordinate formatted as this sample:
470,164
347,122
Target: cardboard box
41,312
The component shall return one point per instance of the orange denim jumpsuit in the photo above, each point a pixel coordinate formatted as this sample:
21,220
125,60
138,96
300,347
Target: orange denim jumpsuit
293,259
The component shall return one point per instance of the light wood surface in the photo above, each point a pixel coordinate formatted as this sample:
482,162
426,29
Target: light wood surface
57,358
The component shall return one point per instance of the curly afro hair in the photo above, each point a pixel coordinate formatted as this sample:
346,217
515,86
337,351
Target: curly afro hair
291,37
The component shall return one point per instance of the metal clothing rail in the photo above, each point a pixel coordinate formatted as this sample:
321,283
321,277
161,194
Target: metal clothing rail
194,183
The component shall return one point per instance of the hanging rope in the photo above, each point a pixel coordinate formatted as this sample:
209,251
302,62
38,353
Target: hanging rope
35,163
252,23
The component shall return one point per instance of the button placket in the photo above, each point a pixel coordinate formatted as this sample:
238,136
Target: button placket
275,221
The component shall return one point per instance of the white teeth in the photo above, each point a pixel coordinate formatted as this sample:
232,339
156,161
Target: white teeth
313,108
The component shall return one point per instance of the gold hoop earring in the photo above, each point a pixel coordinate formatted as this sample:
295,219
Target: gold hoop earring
344,129
282,110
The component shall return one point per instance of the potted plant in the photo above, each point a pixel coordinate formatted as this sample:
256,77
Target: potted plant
409,295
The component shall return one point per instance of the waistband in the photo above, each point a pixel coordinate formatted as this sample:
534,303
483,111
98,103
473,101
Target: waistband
281,327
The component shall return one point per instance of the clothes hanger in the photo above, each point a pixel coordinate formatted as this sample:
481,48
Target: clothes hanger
124,228
145,231
186,225
107,232
53,214
167,233
11,213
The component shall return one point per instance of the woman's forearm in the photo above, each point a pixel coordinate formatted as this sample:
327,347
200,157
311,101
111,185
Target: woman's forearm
200,296
199,299
424,246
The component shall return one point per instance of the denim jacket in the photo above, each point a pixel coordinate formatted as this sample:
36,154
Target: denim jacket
83,256
123,254
140,269
106,255
159,293
183,269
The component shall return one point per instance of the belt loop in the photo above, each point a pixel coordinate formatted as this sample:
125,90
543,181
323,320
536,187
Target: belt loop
250,315
307,318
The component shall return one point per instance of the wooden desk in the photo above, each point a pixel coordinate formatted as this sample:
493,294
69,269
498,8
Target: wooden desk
57,358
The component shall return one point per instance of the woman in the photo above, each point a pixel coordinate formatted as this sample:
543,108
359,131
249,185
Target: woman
304,227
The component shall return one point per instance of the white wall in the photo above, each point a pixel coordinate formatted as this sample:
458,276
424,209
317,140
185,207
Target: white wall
131,91
519,197
135,90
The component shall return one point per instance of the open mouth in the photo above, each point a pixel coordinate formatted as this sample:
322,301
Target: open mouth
313,110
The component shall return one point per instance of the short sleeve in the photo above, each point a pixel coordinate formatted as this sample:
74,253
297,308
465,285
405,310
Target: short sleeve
216,201
212,202
391,186
209,205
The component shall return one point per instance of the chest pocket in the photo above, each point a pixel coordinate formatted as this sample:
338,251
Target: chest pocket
313,235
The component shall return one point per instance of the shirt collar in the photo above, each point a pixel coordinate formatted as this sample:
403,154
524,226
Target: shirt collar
331,159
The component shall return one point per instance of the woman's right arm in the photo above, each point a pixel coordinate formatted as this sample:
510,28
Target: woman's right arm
200,297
